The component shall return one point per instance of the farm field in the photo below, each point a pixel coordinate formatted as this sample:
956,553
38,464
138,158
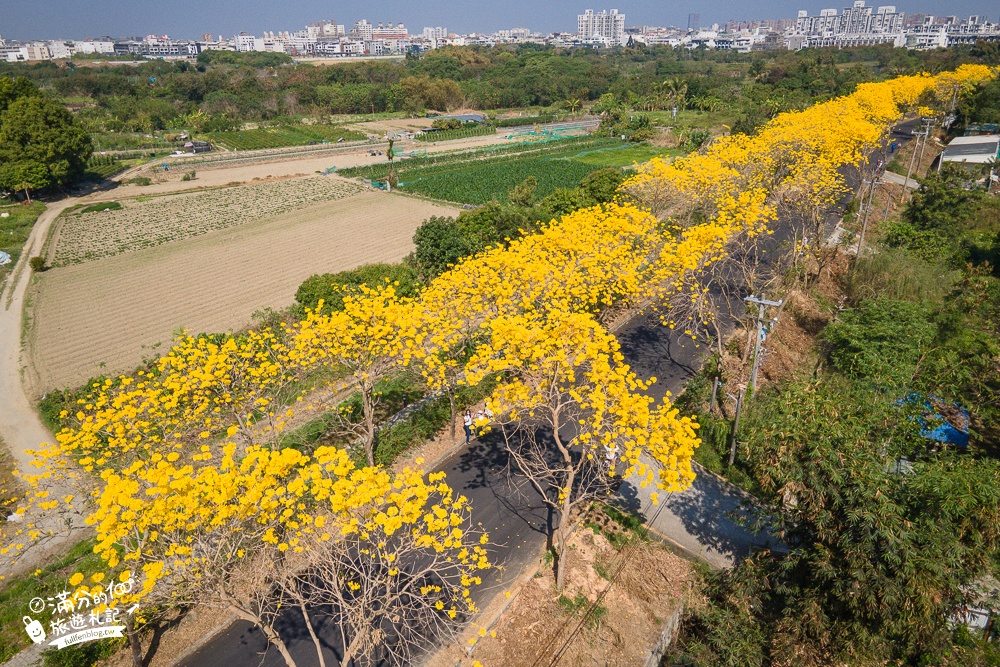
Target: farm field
146,222
282,136
477,177
106,316
624,156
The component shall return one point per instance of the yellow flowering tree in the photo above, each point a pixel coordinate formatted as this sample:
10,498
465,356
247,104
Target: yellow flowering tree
246,533
572,417
374,336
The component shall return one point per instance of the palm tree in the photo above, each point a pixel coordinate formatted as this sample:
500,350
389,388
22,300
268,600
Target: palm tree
674,90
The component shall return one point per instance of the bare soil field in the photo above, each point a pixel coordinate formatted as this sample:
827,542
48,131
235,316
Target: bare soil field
106,316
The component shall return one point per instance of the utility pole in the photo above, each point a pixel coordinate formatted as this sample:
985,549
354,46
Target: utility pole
922,135
716,383
864,223
928,123
761,304
736,424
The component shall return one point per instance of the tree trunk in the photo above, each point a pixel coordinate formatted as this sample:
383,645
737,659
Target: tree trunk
312,633
27,195
133,640
351,651
272,637
454,415
561,549
368,408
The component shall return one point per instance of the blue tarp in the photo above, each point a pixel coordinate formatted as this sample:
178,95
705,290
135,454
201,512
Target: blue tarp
934,426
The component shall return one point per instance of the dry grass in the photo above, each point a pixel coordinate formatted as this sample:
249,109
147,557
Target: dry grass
624,625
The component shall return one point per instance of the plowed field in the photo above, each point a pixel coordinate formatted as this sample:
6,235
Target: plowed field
106,315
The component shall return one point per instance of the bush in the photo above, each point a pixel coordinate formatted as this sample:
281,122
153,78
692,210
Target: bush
37,263
881,340
189,176
97,208
140,180
330,287
446,123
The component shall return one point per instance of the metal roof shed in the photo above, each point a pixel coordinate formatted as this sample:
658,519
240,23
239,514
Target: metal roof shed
982,149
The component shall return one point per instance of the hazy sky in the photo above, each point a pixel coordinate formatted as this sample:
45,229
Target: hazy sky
46,19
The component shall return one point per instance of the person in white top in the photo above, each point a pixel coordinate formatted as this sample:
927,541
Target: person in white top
468,426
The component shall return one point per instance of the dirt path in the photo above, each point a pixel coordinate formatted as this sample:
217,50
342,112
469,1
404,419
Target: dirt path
20,425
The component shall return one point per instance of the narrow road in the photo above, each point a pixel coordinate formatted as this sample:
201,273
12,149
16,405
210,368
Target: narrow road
20,426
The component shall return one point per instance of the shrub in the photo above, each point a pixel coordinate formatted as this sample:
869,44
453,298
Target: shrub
140,180
329,287
881,340
37,263
189,176
97,208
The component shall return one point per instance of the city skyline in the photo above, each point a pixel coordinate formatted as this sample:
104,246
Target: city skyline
65,19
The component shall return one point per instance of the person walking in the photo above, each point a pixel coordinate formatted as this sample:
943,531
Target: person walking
468,426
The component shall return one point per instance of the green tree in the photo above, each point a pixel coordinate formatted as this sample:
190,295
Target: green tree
331,287
523,194
12,90
40,145
439,245
880,555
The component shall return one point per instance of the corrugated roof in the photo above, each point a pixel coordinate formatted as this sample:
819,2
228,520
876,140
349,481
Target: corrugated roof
977,149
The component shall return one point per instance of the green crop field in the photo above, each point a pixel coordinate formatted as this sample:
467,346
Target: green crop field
487,174
460,133
624,155
281,137
479,183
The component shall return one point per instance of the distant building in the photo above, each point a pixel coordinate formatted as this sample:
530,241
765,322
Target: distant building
694,22
435,33
362,29
604,27
390,32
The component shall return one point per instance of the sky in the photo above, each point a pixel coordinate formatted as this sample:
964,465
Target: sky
78,19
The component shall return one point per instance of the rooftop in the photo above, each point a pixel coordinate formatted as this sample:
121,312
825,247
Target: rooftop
981,149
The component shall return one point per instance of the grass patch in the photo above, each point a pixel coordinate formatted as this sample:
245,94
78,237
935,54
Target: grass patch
48,581
899,275
14,232
580,604
625,155
97,208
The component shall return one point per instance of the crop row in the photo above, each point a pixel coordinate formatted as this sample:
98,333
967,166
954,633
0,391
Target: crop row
145,224
460,133
554,148
491,180
283,136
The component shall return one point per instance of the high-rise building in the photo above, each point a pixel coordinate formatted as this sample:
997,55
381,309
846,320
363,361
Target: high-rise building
435,33
694,21
362,29
604,26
